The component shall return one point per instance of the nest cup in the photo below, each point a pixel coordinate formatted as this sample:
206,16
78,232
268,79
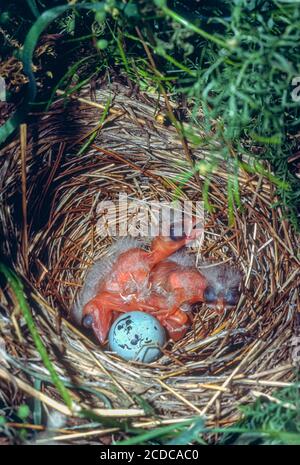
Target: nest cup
222,360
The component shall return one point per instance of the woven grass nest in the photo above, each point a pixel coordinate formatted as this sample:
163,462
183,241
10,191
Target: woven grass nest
223,362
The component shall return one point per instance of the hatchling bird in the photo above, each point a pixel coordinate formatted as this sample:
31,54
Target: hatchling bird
162,281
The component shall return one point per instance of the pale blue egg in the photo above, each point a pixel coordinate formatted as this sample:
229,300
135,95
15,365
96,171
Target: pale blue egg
137,336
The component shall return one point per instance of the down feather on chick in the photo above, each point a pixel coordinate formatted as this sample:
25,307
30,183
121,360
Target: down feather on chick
98,271
224,282
163,281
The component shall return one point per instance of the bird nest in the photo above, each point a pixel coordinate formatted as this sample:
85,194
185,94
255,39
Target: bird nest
52,184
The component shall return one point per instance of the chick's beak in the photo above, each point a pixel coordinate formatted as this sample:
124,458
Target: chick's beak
101,320
100,327
220,306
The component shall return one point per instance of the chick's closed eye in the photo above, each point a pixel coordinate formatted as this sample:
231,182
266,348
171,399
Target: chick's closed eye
232,296
210,294
87,321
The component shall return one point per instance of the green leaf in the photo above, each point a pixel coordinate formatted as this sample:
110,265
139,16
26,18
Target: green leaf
102,44
190,435
23,411
131,10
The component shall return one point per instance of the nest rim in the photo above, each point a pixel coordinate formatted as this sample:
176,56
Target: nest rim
217,365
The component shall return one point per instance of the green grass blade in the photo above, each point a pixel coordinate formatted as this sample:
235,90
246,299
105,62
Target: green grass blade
179,19
190,435
33,7
156,433
94,134
17,287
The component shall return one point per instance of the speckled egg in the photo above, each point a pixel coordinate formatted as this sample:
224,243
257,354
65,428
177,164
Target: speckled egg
137,336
